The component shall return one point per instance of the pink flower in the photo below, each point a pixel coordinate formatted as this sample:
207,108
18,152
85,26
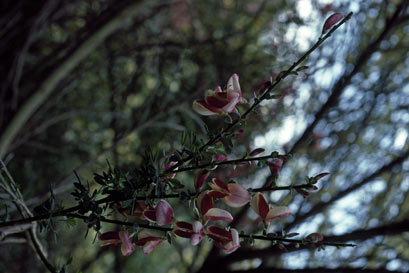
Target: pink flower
331,21
200,179
257,151
116,238
220,157
266,211
223,239
275,166
234,195
162,214
193,231
219,101
168,166
147,241
216,214
205,204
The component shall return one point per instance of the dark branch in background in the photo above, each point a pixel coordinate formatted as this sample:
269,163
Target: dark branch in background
396,228
346,79
322,205
315,270
78,52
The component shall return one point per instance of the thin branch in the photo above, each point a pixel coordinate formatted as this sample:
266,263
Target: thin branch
266,92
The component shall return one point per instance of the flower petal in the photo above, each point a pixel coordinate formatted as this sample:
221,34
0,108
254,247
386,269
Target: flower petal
147,241
200,179
216,214
201,107
234,244
275,166
126,247
332,20
218,234
276,212
234,86
256,151
259,204
217,184
239,196
205,202
164,213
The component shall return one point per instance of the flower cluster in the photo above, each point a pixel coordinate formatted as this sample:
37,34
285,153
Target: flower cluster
232,194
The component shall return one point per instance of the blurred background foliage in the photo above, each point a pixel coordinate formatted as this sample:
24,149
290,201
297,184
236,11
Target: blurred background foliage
133,88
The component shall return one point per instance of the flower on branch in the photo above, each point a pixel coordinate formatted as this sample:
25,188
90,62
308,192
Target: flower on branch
220,101
205,203
193,231
200,179
234,195
168,166
147,241
275,166
331,21
118,238
314,238
223,239
162,214
257,151
216,214
267,211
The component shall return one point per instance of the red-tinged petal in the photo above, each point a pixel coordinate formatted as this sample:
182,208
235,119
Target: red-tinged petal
168,166
147,241
164,213
196,239
216,214
276,212
231,105
149,246
150,215
275,166
218,234
205,202
314,237
109,236
217,100
220,184
233,85
204,109
302,192
126,246
319,176
239,196
331,21
183,225
184,234
200,179
234,244
217,194
256,151
220,157
260,205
